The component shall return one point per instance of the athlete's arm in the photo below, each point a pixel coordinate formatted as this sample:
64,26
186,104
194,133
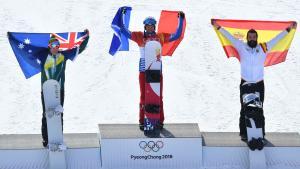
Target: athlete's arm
85,41
236,42
178,32
123,29
281,35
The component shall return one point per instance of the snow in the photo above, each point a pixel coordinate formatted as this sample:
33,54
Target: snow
200,83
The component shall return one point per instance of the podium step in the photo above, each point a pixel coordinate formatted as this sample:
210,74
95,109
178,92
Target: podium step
178,146
181,130
34,141
122,146
26,151
232,139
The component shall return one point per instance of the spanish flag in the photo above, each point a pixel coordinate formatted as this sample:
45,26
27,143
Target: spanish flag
266,30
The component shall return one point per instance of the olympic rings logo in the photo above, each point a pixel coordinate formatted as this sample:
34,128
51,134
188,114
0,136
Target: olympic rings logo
151,146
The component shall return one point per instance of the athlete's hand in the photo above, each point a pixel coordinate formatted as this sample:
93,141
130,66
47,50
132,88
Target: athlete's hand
87,32
294,25
59,109
124,9
215,24
181,14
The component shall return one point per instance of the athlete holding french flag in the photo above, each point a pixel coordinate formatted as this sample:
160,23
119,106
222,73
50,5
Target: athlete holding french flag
141,38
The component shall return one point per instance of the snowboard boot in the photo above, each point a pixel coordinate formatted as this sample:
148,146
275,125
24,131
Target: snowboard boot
243,137
264,141
256,144
253,144
141,126
45,144
260,144
160,125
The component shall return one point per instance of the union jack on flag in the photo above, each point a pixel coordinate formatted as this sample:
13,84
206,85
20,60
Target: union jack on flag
69,40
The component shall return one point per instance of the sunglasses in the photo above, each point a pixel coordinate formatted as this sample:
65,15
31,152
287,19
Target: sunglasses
54,44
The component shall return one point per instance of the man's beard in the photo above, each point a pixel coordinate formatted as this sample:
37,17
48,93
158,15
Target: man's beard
252,43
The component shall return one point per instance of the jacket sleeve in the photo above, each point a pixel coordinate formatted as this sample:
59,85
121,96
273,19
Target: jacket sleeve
236,42
178,32
274,41
84,44
123,29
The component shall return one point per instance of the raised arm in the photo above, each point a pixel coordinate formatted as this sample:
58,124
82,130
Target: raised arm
178,32
72,53
281,35
123,29
85,41
236,42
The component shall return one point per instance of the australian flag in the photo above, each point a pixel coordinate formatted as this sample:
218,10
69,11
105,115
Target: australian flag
31,49
119,41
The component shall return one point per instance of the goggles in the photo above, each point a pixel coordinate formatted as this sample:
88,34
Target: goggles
54,44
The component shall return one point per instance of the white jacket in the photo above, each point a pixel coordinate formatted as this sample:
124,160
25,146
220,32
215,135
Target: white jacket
252,59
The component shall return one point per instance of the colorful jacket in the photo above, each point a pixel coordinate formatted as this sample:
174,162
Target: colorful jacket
141,39
54,66
252,59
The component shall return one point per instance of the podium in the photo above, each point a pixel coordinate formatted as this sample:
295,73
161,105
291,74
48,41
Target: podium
125,146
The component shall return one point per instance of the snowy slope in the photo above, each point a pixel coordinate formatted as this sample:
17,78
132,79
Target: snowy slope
200,83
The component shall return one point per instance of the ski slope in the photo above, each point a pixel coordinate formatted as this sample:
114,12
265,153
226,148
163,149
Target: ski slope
200,83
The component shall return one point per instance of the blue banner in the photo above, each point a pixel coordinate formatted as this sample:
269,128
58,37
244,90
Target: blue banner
120,41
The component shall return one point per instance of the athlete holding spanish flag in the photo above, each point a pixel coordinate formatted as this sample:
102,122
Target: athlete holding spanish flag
252,59
149,34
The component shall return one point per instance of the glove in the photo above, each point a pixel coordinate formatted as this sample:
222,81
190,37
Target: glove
292,26
62,147
181,14
214,23
50,114
58,109
124,10
87,32
57,147
53,147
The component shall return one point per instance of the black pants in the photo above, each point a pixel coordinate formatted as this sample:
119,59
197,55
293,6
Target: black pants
44,121
259,87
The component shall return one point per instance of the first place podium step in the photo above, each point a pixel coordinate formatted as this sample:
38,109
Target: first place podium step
125,146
